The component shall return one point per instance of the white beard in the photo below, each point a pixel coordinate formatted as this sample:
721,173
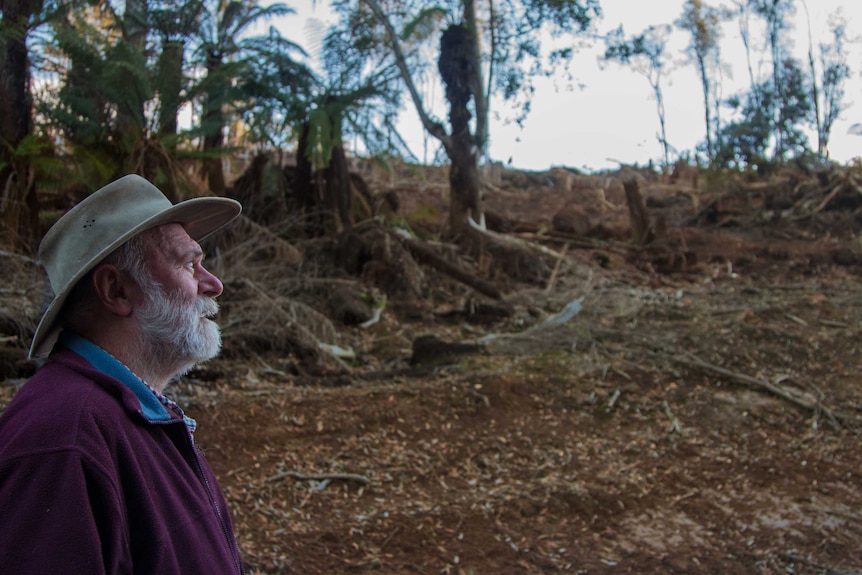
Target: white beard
176,333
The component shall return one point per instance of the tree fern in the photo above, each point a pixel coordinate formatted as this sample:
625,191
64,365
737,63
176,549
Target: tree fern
321,137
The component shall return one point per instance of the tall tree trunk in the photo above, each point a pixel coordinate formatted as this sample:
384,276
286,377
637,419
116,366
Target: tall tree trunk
704,82
662,119
170,85
460,69
213,121
773,23
456,65
303,185
17,193
464,183
337,176
130,114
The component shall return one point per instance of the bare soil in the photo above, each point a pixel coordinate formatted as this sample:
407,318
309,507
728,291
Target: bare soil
699,412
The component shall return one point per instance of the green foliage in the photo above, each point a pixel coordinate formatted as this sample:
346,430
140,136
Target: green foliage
273,89
37,151
324,133
363,97
424,24
567,15
232,61
223,24
80,110
795,110
649,45
174,21
517,54
126,80
743,143
751,140
106,79
835,72
645,52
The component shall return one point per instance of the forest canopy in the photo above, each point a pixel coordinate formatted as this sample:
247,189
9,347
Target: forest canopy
94,90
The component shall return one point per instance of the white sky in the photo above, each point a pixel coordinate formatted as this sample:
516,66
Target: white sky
609,116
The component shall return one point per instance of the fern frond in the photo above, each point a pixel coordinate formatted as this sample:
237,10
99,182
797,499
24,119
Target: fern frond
424,24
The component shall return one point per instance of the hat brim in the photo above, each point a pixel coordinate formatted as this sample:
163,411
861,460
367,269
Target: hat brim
200,217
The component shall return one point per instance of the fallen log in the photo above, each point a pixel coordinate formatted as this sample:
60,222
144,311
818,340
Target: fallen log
425,254
320,477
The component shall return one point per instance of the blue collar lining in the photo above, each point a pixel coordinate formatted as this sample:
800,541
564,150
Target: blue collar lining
103,361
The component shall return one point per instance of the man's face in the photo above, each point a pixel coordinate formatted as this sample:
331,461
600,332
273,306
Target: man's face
178,301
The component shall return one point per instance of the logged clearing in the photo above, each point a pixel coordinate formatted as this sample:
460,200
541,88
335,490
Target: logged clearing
625,373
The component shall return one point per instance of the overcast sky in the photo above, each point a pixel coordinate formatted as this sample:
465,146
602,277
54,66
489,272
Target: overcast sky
608,114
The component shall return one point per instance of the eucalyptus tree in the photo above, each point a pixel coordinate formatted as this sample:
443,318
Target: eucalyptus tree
645,52
485,48
747,142
827,88
775,15
703,22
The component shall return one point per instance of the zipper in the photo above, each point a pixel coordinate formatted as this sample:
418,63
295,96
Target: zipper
228,534
231,541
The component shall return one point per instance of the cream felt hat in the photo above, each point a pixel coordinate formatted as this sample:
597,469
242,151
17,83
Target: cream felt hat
102,222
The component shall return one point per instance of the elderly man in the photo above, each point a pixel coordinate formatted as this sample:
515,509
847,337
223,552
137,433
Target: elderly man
99,472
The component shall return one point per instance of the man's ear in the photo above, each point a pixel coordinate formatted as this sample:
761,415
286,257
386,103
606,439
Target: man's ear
113,289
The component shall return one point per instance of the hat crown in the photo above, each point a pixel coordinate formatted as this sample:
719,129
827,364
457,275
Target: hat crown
89,229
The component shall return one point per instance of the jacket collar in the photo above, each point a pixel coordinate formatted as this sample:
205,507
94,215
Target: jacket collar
102,361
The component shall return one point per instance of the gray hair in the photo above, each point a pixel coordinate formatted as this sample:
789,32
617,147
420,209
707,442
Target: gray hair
130,258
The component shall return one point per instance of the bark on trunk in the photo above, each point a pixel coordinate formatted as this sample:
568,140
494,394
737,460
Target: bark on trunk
170,86
130,112
213,168
17,193
213,121
464,182
456,69
303,186
338,188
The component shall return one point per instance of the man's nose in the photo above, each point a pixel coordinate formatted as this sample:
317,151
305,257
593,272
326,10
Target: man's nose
208,284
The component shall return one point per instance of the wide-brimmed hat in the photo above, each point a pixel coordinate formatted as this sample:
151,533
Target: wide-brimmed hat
102,222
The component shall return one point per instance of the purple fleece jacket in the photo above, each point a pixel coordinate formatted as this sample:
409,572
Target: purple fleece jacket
91,482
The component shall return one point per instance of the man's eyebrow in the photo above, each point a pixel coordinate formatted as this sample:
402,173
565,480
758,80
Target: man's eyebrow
192,253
